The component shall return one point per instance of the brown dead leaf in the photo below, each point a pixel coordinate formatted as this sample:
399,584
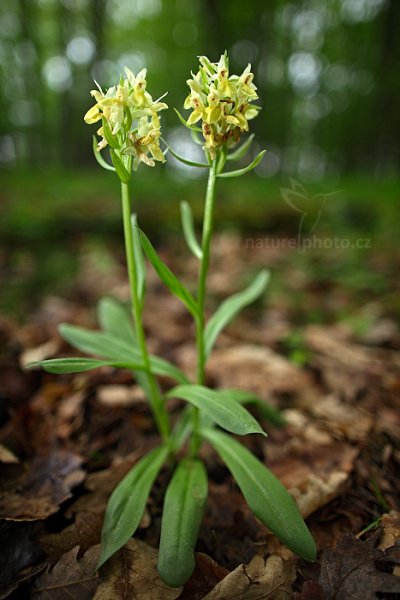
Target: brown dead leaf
271,578
350,571
7,457
69,578
84,532
38,493
46,350
120,395
256,369
314,473
206,575
132,573
391,529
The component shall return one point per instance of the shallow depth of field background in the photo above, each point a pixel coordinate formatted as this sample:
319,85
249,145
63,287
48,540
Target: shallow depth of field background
328,79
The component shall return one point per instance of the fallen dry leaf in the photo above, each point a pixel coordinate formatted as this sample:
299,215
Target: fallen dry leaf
69,578
350,571
132,573
271,578
7,457
120,395
391,529
256,369
38,493
206,575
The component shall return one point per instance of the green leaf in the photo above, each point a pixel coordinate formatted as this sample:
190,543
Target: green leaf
78,365
267,411
196,139
98,156
188,230
120,168
110,138
166,275
249,167
267,497
139,258
114,318
242,150
186,161
107,345
229,415
231,307
126,505
183,510
160,366
100,343
184,122
182,427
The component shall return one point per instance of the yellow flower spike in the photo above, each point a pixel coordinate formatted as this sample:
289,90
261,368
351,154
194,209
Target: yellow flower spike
131,117
221,101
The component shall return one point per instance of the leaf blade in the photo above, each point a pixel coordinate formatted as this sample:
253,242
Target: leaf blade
230,308
268,412
61,366
242,150
245,170
166,275
183,510
229,415
267,497
188,230
127,503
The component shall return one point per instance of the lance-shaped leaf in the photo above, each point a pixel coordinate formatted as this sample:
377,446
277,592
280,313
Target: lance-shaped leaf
98,156
242,150
186,161
188,230
184,122
166,275
114,318
126,505
264,493
107,345
120,168
229,415
183,510
249,167
60,366
231,307
267,411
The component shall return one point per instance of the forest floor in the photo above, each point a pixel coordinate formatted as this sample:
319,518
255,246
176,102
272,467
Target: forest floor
322,347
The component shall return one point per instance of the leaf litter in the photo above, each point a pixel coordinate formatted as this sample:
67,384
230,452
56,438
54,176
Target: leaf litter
65,442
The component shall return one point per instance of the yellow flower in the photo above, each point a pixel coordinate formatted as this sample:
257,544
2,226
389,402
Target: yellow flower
130,120
221,101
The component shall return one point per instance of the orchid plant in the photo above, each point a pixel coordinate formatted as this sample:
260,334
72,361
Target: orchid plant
222,106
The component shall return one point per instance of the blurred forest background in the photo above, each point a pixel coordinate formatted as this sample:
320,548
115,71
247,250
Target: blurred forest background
328,79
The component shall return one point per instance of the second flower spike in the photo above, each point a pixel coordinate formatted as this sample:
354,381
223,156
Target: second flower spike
130,120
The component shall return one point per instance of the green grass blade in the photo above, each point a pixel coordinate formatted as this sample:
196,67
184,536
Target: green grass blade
188,230
183,510
126,505
231,307
267,497
245,170
229,415
166,275
184,122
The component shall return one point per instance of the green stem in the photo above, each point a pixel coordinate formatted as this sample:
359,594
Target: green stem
155,399
208,220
